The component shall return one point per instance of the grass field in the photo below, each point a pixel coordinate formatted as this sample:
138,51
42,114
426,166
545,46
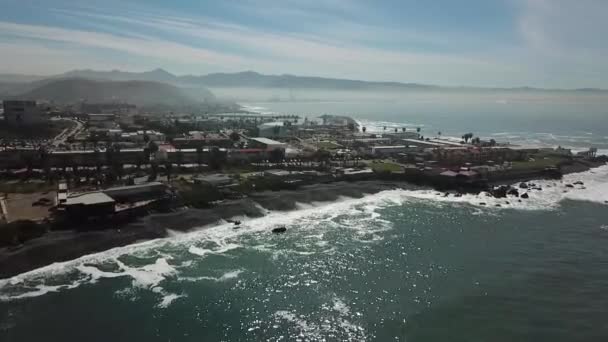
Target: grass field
386,167
538,163
328,145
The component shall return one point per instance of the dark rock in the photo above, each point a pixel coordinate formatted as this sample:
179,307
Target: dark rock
578,183
569,186
498,205
507,202
482,203
523,185
524,195
583,187
501,191
458,195
279,230
513,192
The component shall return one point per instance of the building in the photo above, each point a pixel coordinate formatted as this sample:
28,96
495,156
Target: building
109,108
276,129
88,204
23,113
380,150
266,144
196,139
140,136
401,135
62,194
216,180
421,143
107,121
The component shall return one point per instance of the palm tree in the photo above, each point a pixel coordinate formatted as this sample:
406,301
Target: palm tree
418,129
199,157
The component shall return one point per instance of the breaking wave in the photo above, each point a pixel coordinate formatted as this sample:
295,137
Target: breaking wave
149,264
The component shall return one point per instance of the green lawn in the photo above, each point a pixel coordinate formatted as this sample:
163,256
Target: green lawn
538,163
385,167
328,145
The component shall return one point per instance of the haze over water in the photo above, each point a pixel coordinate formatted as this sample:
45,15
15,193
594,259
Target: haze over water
398,265
575,121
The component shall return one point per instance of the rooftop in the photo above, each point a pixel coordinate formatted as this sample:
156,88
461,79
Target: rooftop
89,198
267,141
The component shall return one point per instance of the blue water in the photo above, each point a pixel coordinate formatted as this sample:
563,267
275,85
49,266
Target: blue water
400,265
573,122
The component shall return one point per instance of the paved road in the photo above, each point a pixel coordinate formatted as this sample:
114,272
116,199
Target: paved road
68,132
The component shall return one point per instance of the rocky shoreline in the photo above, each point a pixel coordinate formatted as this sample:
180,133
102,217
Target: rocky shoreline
58,246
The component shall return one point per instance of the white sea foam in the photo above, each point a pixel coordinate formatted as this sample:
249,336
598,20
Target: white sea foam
168,299
360,215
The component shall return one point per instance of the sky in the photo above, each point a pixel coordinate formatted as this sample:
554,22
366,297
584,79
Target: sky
487,43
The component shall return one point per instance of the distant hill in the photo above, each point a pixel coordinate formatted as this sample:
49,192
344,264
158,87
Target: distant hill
12,84
157,75
140,93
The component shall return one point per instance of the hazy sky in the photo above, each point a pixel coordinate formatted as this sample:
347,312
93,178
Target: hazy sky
543,43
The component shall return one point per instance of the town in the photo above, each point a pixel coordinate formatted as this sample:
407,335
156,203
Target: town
87,163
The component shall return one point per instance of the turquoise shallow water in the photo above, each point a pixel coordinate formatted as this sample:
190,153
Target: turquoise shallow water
397,265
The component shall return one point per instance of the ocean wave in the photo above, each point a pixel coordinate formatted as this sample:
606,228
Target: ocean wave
149,264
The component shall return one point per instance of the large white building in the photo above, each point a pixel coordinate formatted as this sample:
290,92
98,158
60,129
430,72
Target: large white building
17,113
266,144
273,130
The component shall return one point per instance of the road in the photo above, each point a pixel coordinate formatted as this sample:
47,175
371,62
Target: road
68,132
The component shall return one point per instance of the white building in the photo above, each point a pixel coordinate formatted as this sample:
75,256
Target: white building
18,113
139,136
388,149
273,130
267,144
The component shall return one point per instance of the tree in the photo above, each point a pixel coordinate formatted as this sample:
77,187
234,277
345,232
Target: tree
396,130
492,142
217,158
235,136
402,129
364,129
199,157
418,129
277,155
146,138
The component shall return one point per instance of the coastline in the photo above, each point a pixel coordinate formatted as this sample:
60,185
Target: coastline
59,246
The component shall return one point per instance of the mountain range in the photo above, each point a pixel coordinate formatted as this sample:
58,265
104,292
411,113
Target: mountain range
159,87
251,79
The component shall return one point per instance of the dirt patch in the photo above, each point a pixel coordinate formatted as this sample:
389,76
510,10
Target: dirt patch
34,206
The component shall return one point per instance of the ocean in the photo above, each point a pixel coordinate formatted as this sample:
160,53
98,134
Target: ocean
398,265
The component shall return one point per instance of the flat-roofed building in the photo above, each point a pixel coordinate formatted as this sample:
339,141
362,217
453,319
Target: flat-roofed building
23,113
89,204
267,144
102,120
389,149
